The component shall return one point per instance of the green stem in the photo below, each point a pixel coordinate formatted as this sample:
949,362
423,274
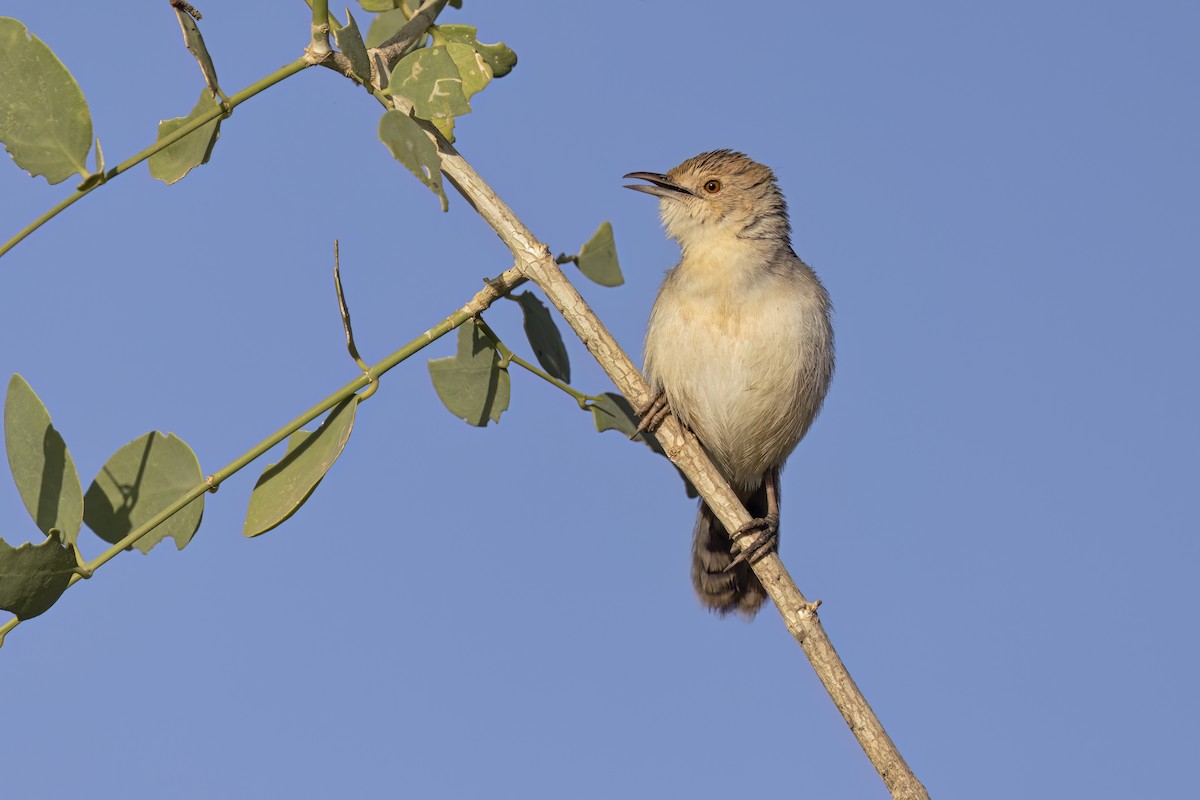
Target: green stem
213,481
319,46
333,21
217,111
507,355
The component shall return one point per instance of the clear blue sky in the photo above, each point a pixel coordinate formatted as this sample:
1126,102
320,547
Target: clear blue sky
998,506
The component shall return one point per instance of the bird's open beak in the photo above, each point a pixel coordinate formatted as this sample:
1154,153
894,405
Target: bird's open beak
661,187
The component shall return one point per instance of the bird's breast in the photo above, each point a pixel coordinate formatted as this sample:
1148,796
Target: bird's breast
739,361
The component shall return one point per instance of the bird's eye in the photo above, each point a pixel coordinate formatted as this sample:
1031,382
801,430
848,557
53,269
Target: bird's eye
712,187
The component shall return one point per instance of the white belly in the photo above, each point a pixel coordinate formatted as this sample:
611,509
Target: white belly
744,366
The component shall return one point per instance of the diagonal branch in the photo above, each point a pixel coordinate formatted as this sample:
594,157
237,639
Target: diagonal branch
534,261
393,48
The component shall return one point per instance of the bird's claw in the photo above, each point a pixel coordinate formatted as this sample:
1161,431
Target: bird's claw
763,529
652,414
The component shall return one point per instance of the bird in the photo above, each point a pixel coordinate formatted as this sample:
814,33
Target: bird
739,347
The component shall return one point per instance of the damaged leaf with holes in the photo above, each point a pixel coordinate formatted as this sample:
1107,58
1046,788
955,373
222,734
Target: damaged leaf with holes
410,145
440,80
498,56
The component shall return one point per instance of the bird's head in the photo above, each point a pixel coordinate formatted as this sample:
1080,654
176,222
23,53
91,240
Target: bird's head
716,197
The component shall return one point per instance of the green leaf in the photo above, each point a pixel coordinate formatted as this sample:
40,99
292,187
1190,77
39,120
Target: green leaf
44,119
285,485
41,464
413,5
379,5
136,483
195,44
544,337
474,70
612,412
598,258
33,577
90,181
445,126
412,147
440,80
471,384
350,42
498,56
180,158
385,26
98,175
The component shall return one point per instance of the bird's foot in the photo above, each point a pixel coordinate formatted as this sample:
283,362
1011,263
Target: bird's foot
763,529
652,414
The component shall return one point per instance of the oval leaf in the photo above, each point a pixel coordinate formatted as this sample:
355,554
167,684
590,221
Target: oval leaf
544,337
40,463
44,119
284,486
412,147
179,158
33,577
598,258
140,480
471,384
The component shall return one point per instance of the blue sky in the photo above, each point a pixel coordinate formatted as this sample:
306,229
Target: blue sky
997,506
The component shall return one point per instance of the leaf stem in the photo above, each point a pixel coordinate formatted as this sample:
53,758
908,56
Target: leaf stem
222,110
507,355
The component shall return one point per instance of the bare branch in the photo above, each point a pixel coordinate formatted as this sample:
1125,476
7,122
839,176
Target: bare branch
393,48
535,262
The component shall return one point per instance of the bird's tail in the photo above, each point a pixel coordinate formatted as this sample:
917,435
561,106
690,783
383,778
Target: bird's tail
738,589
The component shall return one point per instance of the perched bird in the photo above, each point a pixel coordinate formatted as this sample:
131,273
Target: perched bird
739,347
